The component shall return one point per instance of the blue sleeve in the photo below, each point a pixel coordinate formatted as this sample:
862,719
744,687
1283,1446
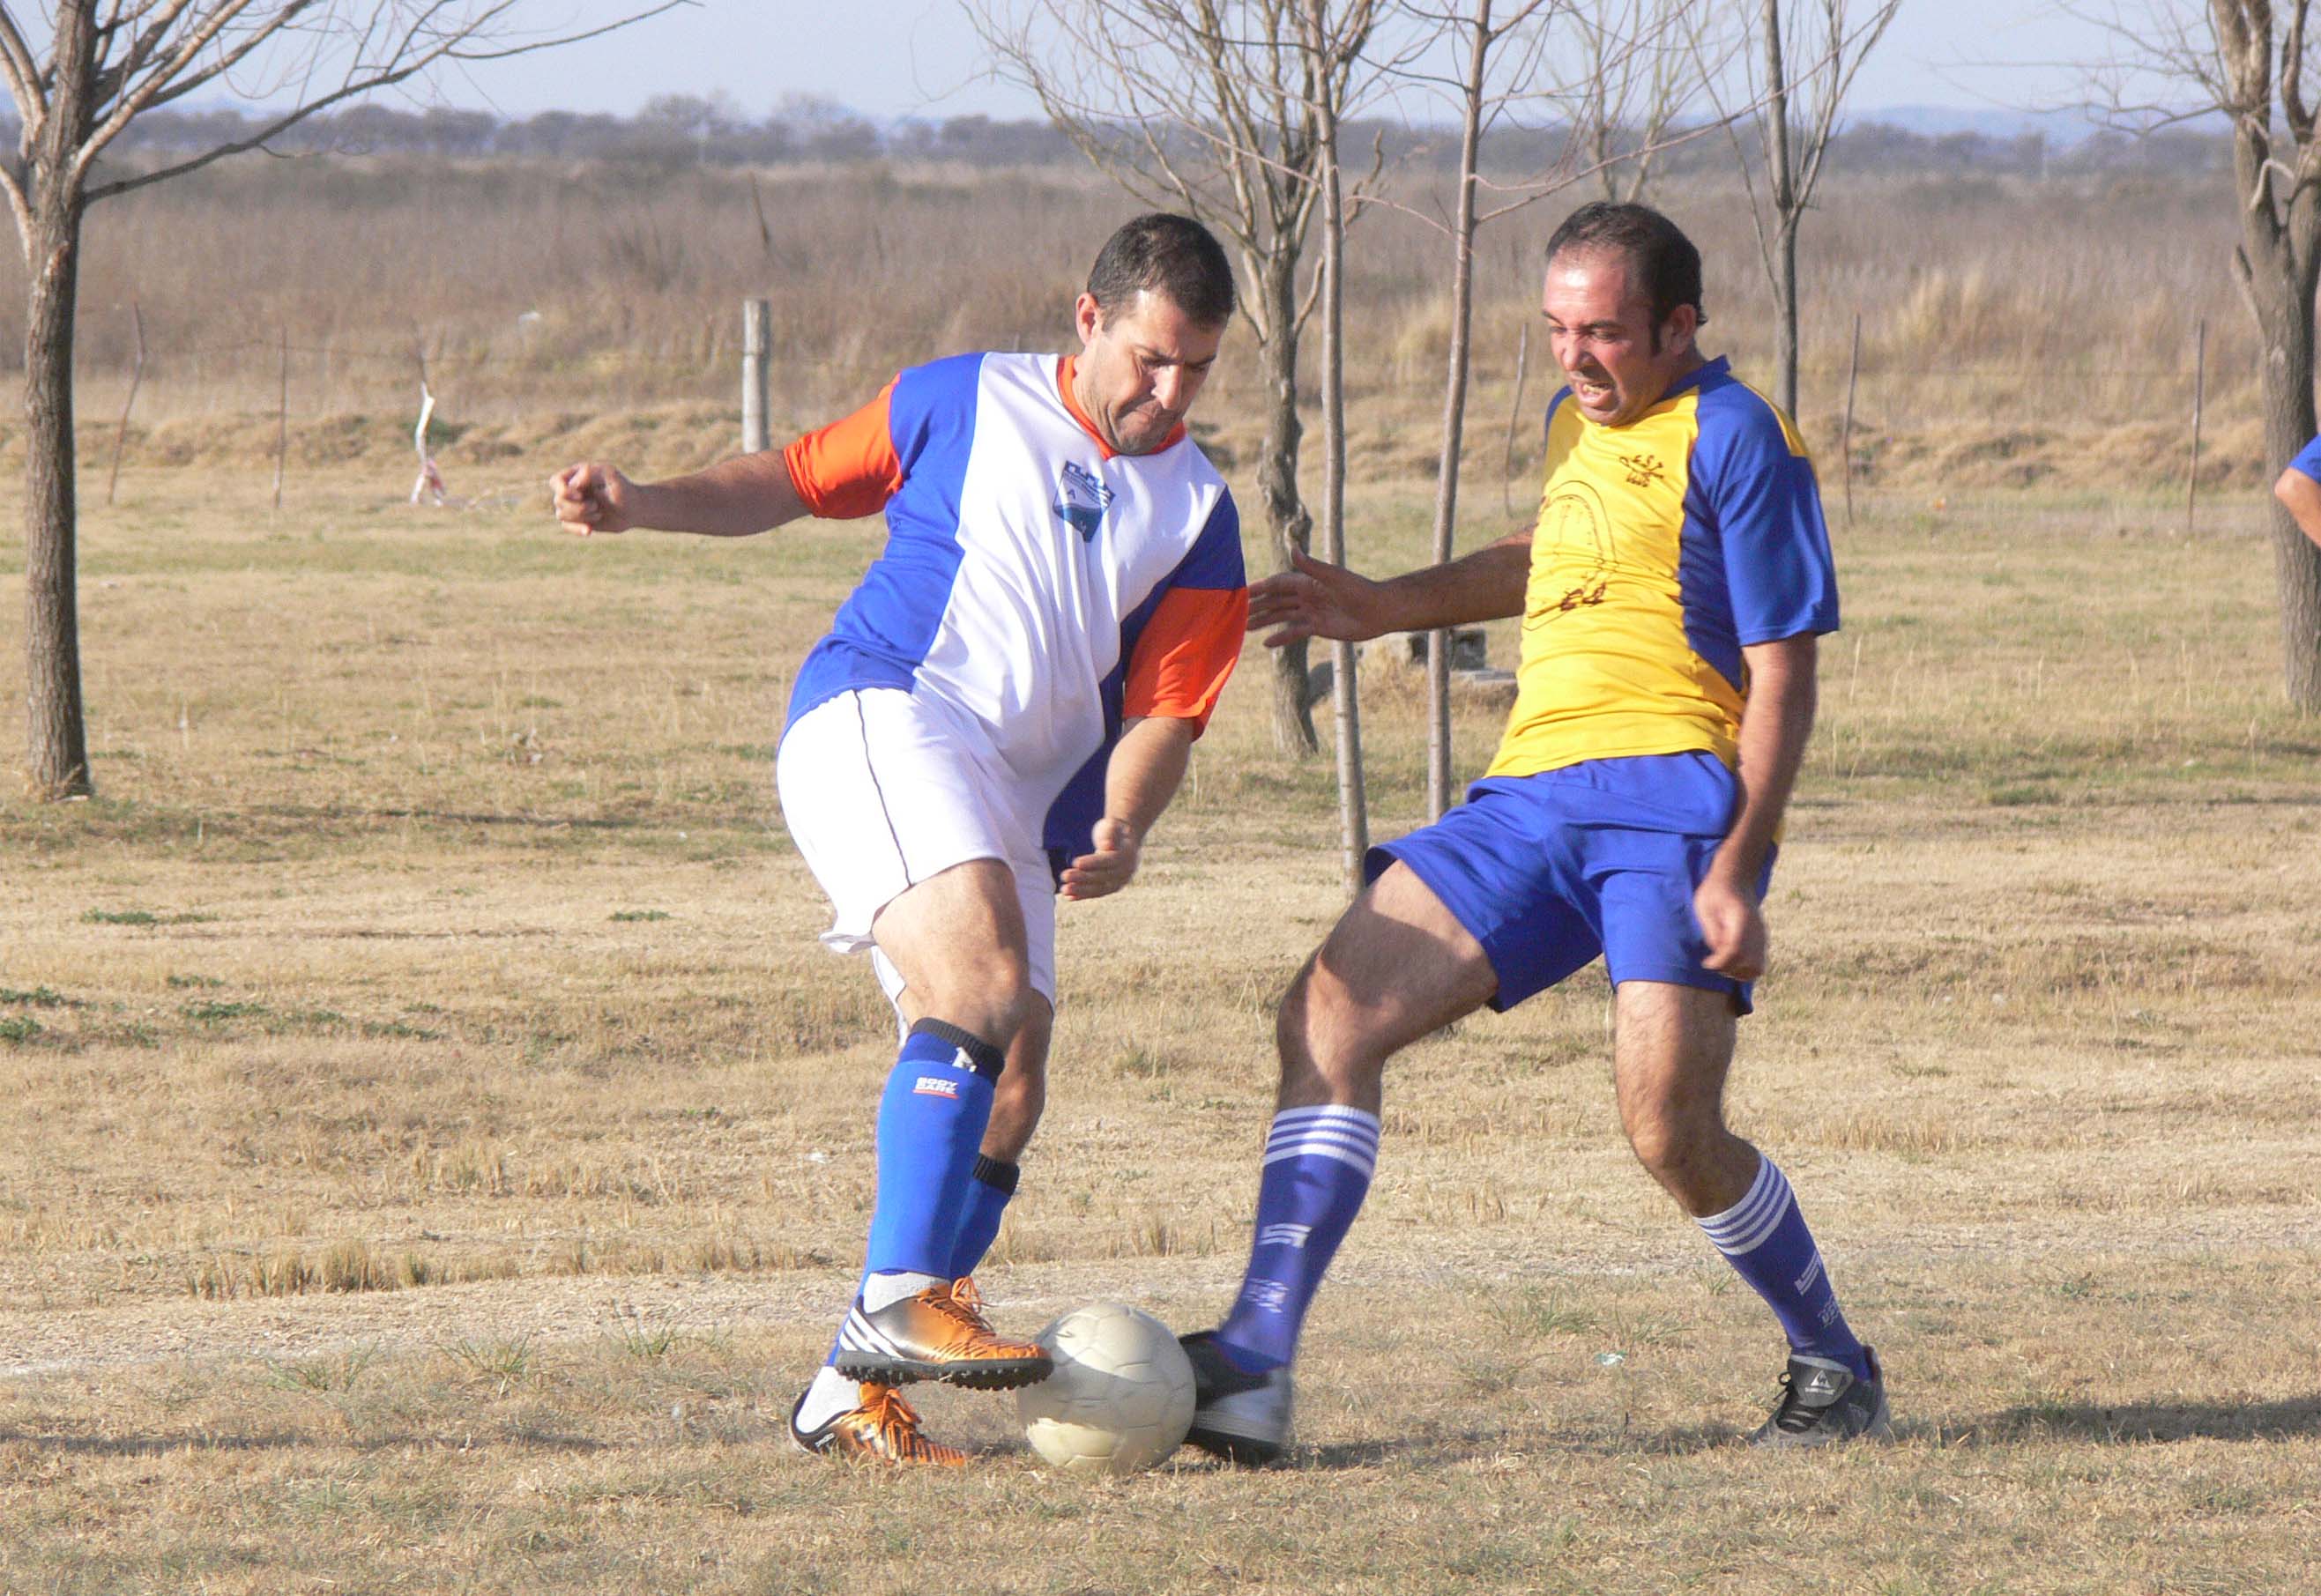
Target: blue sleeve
1767,509
2308,462
1215,560
933,410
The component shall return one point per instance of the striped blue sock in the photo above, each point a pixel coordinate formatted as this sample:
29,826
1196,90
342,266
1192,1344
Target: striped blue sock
1764,1237
1318,1163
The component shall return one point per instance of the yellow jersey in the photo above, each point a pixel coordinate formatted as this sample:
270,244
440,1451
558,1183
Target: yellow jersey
1663,548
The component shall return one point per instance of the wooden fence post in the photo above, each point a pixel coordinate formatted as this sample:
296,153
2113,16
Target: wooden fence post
757,318
136,380
1845,439
282,421
2200,396
1514,413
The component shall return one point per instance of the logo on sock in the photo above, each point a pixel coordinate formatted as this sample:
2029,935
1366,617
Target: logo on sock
1284,1236
963,1061
936,1086
1813,1273
1267,1296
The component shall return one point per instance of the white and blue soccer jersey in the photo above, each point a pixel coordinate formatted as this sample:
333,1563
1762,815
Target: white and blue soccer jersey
1036,583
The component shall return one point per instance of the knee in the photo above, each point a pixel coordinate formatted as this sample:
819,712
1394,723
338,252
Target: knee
1673,1142
991,995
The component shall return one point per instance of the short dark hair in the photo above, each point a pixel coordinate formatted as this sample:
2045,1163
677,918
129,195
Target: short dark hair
1657,251
1174,256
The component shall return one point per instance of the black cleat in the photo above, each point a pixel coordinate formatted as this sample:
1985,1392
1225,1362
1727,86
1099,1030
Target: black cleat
1244,1419
1822,1404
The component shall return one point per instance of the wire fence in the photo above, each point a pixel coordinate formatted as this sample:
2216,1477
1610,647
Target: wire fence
513,374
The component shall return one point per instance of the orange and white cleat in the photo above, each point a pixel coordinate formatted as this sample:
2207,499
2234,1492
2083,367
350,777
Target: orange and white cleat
940,1334
882,1428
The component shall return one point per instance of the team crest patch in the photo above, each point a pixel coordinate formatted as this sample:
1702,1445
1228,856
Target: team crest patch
1081,499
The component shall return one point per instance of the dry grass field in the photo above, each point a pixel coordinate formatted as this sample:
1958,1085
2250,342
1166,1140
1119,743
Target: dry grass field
436,1147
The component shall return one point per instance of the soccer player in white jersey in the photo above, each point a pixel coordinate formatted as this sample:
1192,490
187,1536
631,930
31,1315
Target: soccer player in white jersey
998,715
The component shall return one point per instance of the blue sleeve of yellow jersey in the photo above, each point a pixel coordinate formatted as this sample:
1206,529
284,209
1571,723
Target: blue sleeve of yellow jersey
1768,515
2308,460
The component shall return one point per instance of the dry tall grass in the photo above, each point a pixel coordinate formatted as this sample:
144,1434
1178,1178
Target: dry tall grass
436,1147
2014,332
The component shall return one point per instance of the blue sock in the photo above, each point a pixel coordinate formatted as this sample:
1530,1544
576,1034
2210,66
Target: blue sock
979,1221
1764,1237
931,1123
1318,1163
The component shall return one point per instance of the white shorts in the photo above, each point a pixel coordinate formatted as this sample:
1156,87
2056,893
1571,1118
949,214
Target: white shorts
881,790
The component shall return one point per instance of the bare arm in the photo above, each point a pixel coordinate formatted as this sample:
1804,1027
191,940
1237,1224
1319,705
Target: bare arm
735,498
2300,495
1775,727
1147,764
1317,600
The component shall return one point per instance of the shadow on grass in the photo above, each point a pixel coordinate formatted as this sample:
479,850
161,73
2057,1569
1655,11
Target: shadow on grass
1440,1448
280,1440
2145,1423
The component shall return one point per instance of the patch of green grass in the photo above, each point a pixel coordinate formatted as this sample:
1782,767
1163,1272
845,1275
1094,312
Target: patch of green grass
627,916
185,983
397,1029
39,997
19,1027
141,917
322,1373
505,1363
211,1010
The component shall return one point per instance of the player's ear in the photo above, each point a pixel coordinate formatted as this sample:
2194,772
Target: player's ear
1678,331
1087,317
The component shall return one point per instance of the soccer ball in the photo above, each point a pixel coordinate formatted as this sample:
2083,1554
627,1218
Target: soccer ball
1121,1398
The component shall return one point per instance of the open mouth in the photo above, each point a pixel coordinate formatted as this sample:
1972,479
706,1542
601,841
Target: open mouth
1589,390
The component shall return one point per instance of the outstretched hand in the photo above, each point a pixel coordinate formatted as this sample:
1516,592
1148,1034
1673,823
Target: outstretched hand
1314,599
1108,868
590,498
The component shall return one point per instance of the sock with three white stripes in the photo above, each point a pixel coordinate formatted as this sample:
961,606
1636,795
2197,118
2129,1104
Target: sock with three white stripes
1319,1164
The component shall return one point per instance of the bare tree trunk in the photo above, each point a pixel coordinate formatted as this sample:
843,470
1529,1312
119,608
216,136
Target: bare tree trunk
1781,179
1454,411
2289,426
1286,522
59,740
1353,810
58,737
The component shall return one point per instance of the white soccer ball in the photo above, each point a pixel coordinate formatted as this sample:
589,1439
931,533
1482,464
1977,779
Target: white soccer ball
1121,1398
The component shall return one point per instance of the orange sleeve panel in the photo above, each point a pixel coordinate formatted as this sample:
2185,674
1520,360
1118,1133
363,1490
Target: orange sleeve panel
1188,651
848,468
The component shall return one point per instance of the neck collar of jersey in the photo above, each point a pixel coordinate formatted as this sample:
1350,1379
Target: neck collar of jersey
1696,375
1065,369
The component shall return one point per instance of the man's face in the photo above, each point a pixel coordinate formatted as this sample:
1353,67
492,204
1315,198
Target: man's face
1136,376
1600,323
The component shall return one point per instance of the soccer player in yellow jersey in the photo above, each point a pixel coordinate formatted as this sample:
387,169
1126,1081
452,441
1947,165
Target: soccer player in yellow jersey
1672,591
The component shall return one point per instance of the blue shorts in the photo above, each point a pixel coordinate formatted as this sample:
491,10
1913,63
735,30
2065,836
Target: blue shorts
1548,871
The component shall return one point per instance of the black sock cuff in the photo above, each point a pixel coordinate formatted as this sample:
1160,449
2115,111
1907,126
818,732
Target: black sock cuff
986,1060
999,1176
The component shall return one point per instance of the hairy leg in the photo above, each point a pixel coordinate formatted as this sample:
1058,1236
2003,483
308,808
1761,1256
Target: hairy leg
1395,968
958,940
1672,1051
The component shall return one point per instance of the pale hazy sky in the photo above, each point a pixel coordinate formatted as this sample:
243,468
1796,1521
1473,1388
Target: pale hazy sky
894,58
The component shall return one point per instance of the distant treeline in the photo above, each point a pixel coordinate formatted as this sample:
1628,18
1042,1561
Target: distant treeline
682,130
